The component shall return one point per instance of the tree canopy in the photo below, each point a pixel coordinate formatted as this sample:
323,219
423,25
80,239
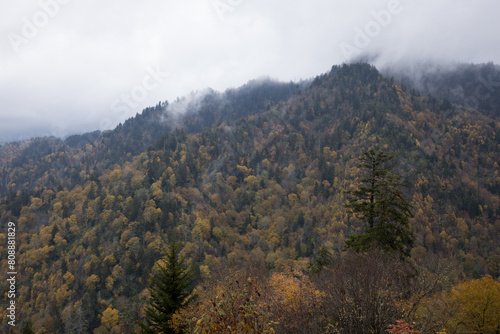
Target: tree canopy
254,185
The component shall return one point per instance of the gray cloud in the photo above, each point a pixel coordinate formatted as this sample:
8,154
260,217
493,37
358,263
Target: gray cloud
79,61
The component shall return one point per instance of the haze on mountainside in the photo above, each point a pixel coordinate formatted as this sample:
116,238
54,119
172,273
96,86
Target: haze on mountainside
70,67
353,198
253,182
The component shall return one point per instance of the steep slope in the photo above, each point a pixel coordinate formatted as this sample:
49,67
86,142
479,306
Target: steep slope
59,162
262,189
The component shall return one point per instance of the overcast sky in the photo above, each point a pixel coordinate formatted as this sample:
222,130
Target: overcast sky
69,66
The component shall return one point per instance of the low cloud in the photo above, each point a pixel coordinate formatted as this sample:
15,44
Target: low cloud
84,56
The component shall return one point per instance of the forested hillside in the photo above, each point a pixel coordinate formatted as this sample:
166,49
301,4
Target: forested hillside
253,178
472,85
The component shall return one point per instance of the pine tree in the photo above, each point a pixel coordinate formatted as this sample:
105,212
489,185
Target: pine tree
171,291
379,203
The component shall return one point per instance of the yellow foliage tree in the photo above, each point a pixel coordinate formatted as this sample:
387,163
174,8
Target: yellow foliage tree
109,322
295,302
470,307
235,304
478,306
110,317
92,281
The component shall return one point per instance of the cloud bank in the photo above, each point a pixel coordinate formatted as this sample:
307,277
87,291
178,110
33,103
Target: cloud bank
69,66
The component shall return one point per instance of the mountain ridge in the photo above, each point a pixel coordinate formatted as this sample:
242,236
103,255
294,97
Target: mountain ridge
264,190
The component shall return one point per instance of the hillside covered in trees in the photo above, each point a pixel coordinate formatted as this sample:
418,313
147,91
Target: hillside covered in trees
472,85
252,183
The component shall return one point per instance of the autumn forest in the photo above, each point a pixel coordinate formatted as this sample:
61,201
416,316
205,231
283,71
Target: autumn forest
256,189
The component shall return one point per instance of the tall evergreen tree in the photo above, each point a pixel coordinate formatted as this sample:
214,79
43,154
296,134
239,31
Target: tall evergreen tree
379,203
171,291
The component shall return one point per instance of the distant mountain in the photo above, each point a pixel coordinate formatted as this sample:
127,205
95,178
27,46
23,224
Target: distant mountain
254,176
99,150
476,86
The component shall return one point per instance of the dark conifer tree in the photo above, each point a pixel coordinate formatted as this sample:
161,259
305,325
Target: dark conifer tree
322,258
380,204
171,291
